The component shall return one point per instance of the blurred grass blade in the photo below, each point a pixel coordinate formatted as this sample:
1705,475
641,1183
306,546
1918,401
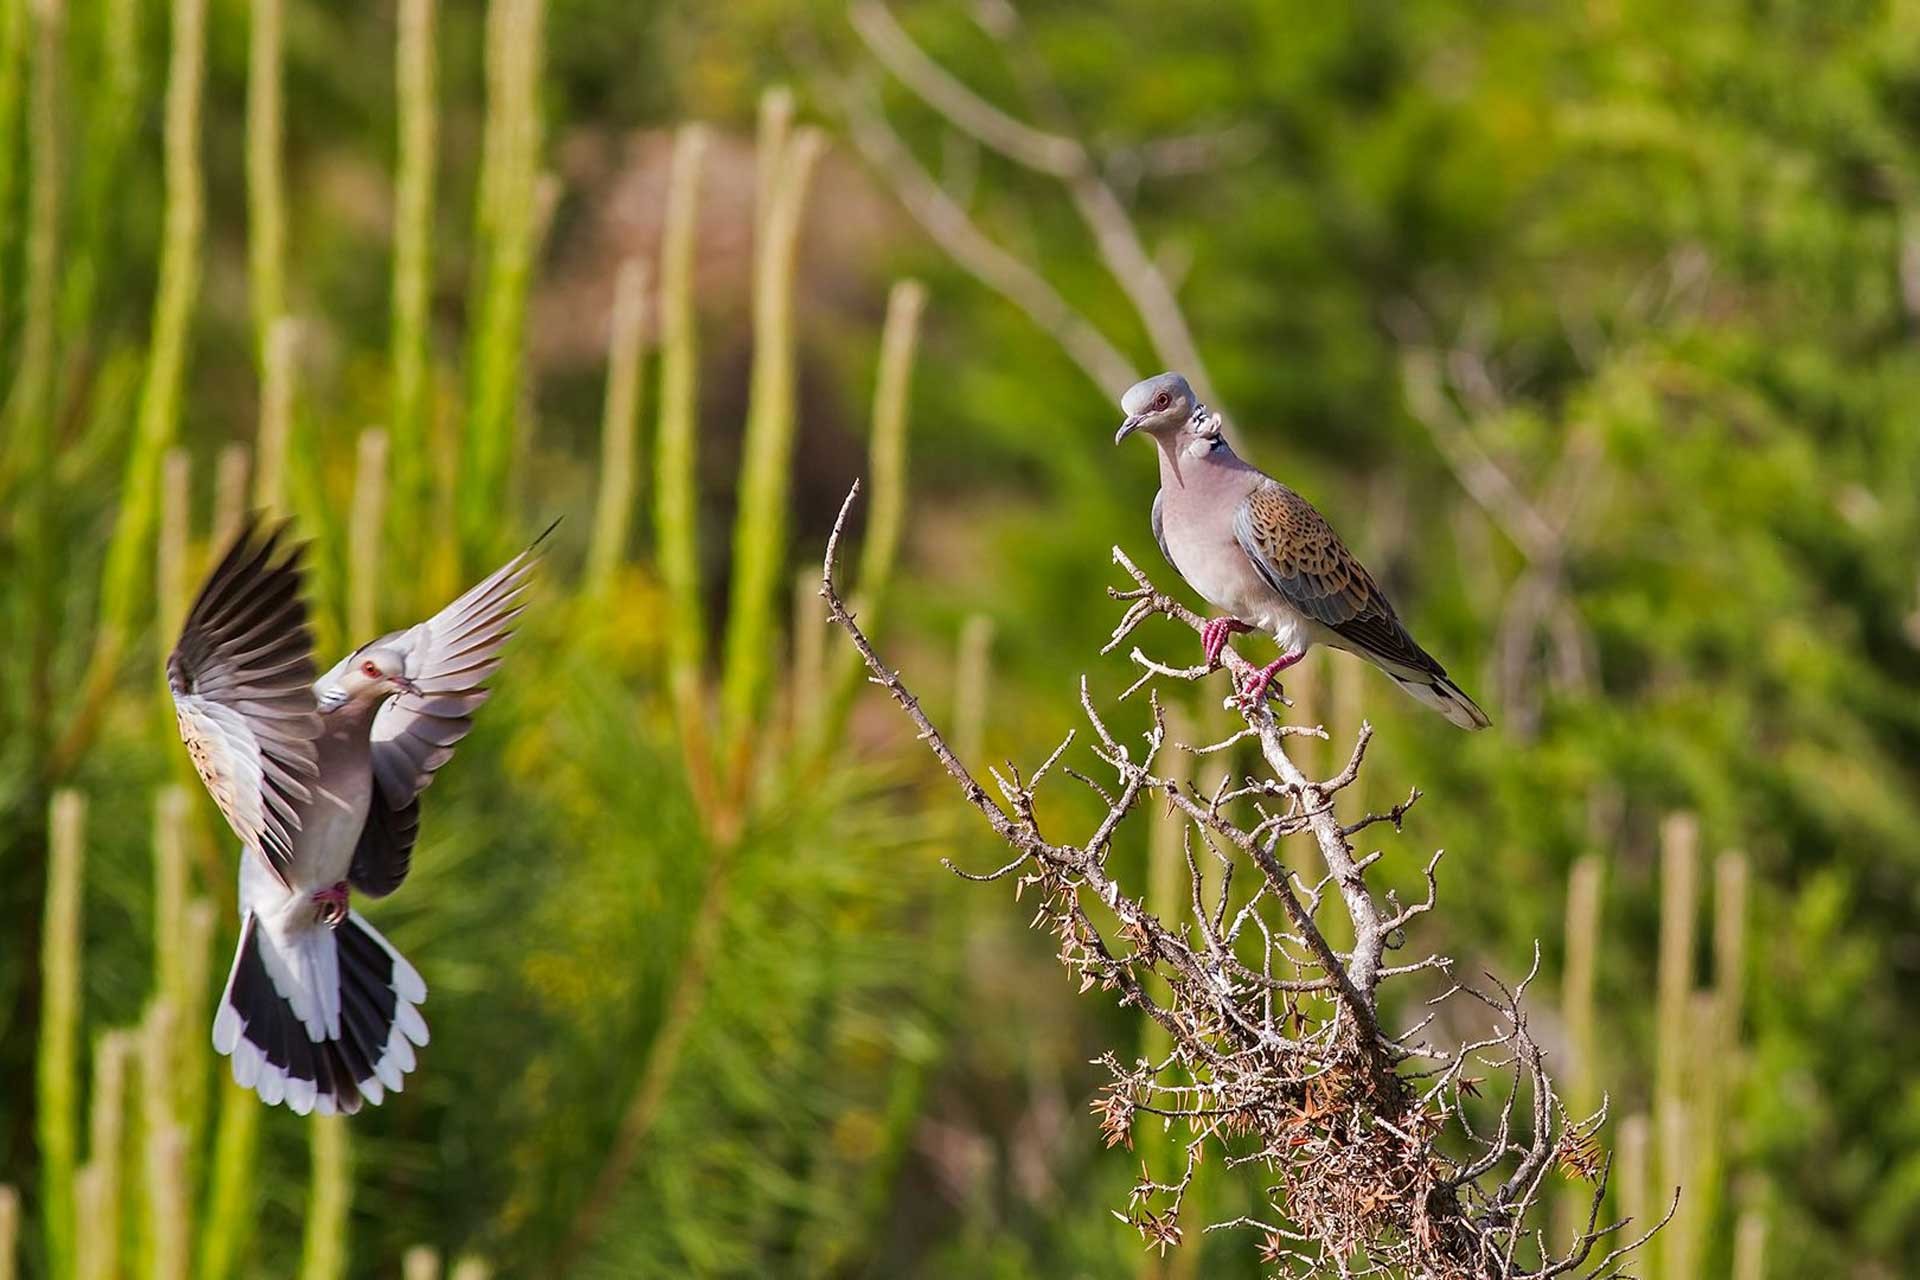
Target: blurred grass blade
229,498
676,507
266,193
159,413
508,231
421,1262
1679,882
275,439
167,1201
323,1253
887,485
113,107
159,1209
613,511
412,263
233,1186
106,1137
9,1232
1585,887
365,535
1750,1246
760,520
170,552
58,1065
972,687
13,45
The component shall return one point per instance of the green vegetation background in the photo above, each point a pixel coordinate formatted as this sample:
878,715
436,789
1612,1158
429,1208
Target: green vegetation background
1685,242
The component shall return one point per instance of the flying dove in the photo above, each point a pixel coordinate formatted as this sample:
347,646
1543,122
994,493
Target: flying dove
321,780
1258,550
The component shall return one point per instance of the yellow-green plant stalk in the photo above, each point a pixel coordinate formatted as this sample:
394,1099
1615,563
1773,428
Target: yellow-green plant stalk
276,416
760,524
158,416
471,1268
113,94
887,487
13,44
1635,1174
323,1254
266,191
776,123
31,412
972,687
159,1031
31,399
196,946
363,538
676,505
167,1202
169,892
9,1231
620,423
91,1245
58,1066
170,551
233,1185
422,1262
412,261
1718,1051
508,232
229,497
1585,887
1750,1246
809,645
1679,892
106,1139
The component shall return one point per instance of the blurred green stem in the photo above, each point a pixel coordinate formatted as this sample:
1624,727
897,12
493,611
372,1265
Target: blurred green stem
266,195
676,507
159,412
232,1190
58,1066
275,431
613,511
413,262
507,234
323,1254
760,521
364,534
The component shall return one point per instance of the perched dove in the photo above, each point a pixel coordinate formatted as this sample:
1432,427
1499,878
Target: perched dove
321,780
1258,550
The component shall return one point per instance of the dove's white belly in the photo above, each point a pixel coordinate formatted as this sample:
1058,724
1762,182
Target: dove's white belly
1220,571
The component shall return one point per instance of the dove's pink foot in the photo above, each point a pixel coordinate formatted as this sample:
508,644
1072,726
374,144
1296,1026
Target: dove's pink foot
1213,637
332,904
1256,689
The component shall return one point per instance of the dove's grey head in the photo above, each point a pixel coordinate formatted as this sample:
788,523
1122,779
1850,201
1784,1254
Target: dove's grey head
371,675
1159,406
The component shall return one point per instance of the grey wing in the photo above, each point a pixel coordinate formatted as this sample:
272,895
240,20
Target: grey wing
1299,555
241,678
449,656
1159,529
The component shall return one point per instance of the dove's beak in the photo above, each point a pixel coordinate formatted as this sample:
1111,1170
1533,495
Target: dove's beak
1128,427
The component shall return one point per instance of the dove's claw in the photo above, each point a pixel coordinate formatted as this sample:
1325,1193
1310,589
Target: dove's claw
332,904
1256,690
1213,637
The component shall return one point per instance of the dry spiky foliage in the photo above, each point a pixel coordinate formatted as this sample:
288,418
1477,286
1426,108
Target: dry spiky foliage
1380,1151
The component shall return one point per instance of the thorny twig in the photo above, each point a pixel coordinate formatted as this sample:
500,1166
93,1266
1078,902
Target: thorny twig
1375,1156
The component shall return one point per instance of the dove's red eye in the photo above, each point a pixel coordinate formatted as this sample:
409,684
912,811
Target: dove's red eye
368,668
1162,400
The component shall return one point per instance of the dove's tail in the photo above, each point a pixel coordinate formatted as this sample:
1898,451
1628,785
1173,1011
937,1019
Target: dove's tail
1444,696
319,1018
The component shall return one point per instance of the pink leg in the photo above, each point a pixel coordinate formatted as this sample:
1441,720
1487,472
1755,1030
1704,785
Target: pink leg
1256,689
1213,637
332,903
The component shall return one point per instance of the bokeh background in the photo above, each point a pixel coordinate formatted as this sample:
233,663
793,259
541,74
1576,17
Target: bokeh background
1595,328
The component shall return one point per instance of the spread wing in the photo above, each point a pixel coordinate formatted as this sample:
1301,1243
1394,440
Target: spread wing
242,677
449,656
1299,555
